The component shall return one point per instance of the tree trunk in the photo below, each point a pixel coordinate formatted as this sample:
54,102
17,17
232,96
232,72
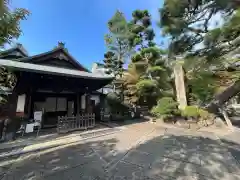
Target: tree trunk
223,97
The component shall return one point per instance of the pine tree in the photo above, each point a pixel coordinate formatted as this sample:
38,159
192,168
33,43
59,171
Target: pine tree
206,46
142,34
191,23
112,65
117,42
147,77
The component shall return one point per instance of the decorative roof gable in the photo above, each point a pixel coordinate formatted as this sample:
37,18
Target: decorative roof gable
59,57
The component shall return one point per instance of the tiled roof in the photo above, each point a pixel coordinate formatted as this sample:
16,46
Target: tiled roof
29,67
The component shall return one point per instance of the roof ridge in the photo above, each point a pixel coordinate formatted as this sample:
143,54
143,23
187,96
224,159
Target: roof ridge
37,55
53,51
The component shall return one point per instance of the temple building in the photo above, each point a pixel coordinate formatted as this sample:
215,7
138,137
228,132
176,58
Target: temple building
52,82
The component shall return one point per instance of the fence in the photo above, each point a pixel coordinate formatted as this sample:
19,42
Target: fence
84,121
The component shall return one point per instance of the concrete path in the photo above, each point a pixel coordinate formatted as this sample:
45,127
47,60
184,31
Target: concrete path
140,151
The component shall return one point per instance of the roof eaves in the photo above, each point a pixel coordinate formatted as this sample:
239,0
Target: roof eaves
29,67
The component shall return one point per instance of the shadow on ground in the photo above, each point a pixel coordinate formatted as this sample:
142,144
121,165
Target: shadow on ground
236,123
168,157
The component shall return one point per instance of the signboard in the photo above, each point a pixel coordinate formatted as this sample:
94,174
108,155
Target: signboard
38,116
29,128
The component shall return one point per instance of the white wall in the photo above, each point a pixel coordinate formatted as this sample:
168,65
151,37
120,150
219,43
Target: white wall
96,98
21,103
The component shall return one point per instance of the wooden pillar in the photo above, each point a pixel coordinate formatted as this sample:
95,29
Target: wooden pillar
27,109
78,104
88,103
87,100
29,106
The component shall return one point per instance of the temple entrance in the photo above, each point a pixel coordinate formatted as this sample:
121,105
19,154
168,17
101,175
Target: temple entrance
53,105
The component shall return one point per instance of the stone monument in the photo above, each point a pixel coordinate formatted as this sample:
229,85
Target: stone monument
180,85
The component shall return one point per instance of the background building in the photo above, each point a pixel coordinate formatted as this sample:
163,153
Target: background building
99,69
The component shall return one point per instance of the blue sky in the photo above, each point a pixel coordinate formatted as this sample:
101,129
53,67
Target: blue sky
81,24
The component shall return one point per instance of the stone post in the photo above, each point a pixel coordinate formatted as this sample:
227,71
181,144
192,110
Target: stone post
180,86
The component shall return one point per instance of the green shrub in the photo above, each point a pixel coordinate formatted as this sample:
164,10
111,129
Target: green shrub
205,115
166,108
115,105
112,97
190,112
147,87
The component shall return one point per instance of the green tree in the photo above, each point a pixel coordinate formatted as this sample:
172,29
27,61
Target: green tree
210,83
114,67
189,25
112,64
125,37
205,80
10,22
142,33
147,77
130,79
9,30
117,41
205,47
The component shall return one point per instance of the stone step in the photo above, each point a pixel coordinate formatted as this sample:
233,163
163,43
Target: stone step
100,133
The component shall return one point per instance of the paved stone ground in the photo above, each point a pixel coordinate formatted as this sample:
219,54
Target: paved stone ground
232,141
141,151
